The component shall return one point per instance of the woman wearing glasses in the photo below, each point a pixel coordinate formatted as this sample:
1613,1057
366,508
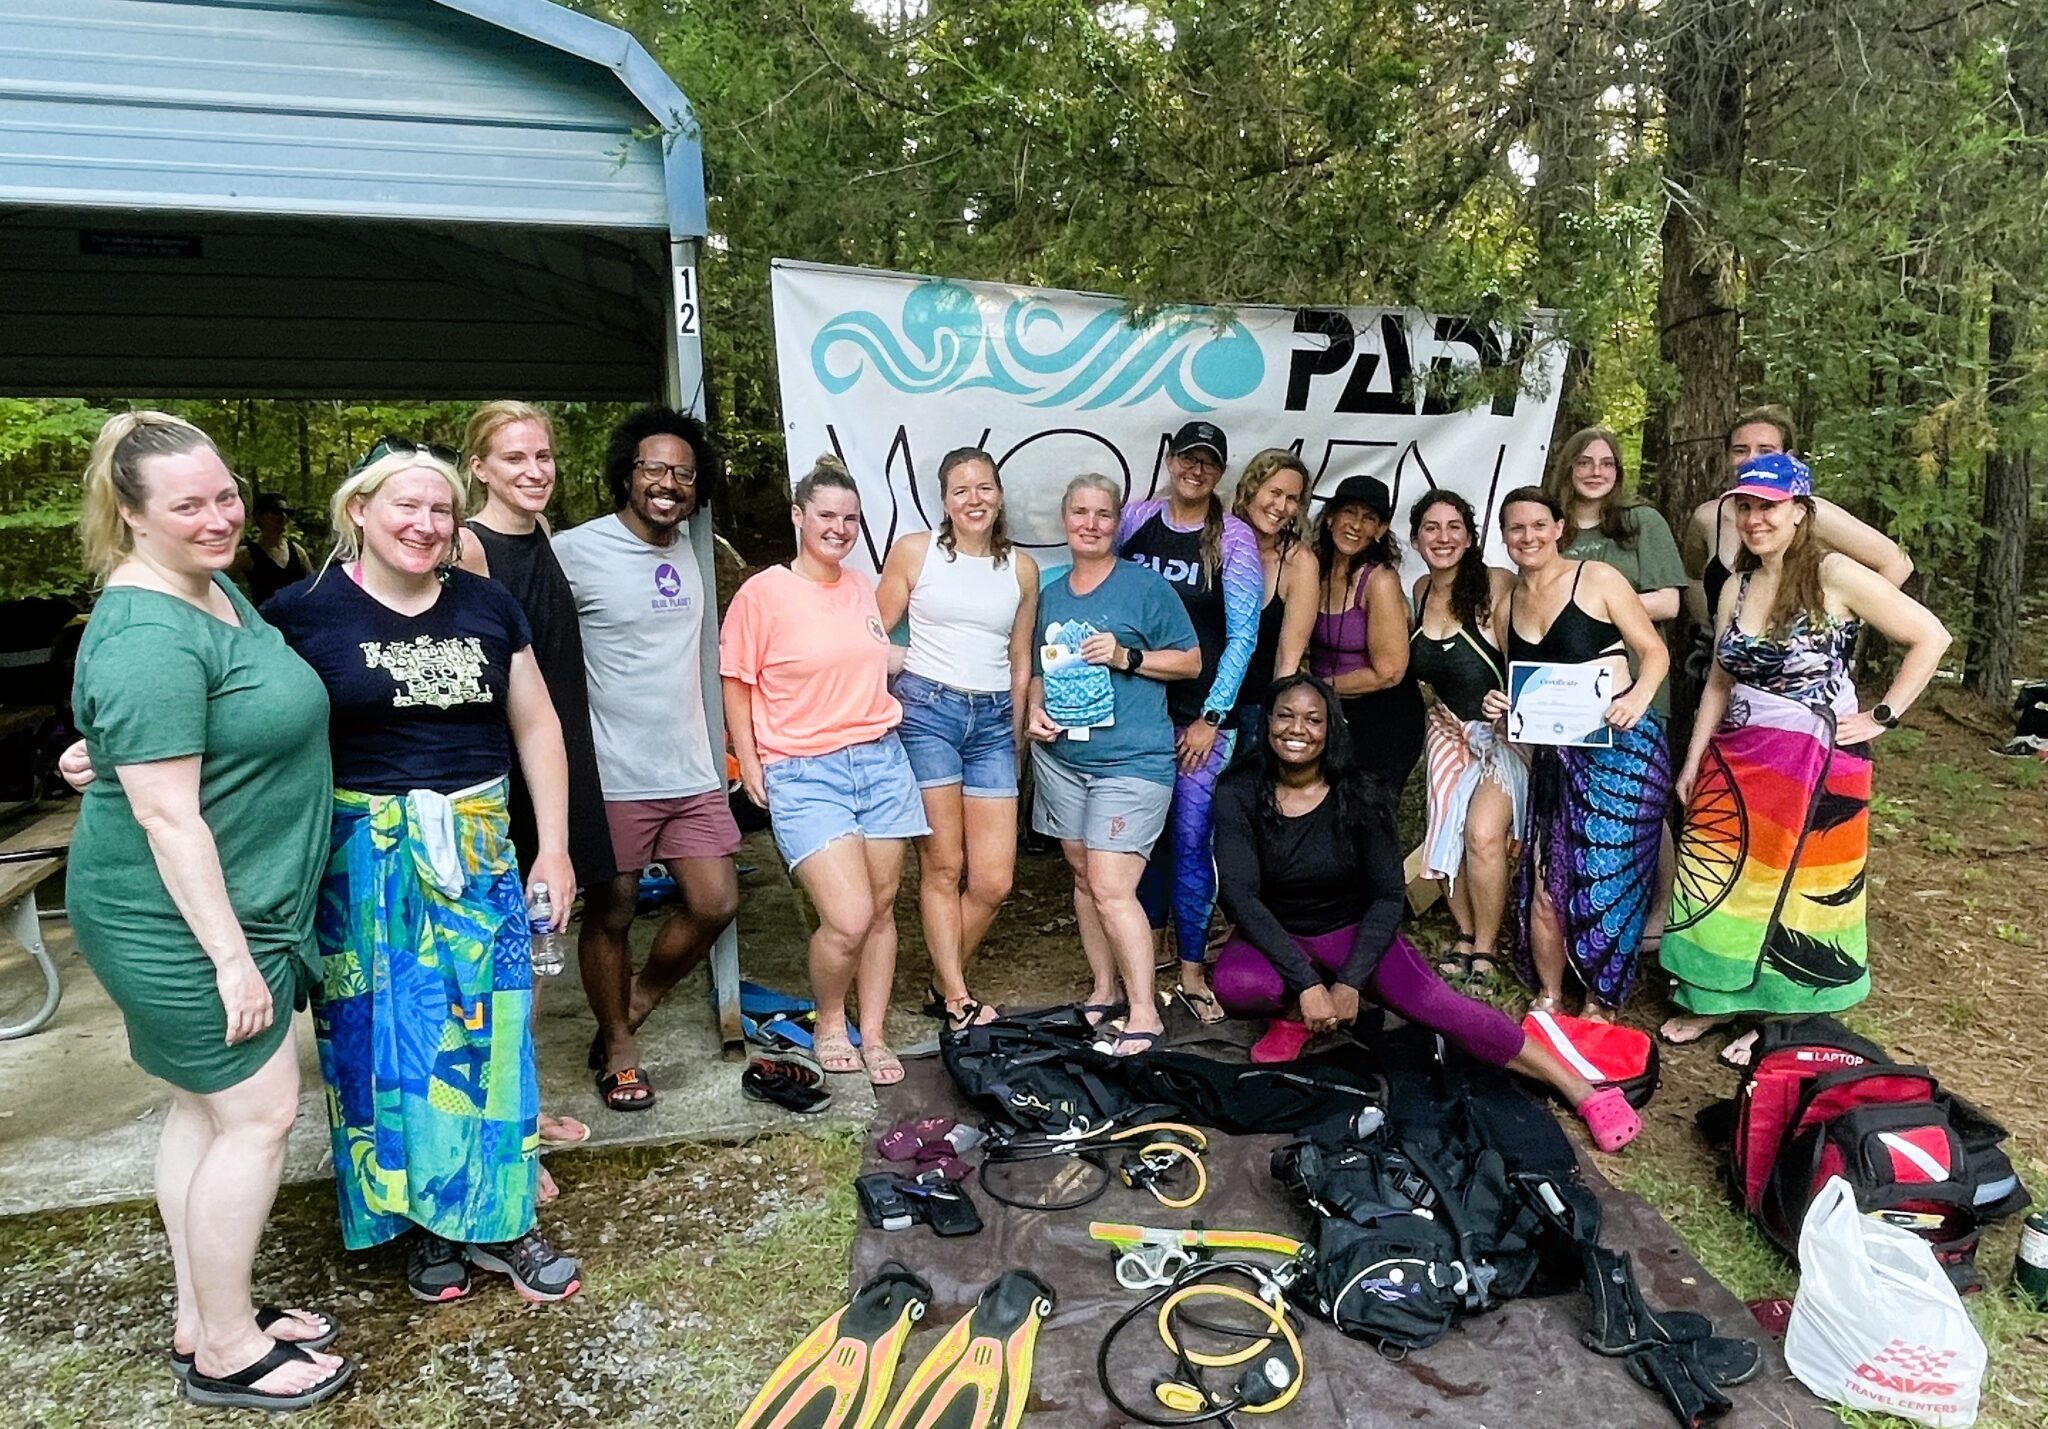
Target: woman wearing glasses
423,1024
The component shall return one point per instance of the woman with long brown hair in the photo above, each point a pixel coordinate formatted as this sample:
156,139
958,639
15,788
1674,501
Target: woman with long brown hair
1360,641
971,598
1768,914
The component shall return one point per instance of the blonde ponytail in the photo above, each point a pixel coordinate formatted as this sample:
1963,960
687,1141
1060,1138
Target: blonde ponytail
114,480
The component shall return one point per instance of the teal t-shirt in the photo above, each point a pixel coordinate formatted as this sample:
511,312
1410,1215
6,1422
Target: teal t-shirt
1140,609
1652,563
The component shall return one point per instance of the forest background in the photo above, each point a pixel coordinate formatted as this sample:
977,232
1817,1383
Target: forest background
1838,205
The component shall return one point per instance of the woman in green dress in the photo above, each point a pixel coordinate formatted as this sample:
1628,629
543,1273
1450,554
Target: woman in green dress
194,873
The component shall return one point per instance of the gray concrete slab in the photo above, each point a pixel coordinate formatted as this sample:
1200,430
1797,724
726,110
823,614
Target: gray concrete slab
79,1122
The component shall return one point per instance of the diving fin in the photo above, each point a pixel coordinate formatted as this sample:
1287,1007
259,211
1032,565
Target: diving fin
979,1375
840,1376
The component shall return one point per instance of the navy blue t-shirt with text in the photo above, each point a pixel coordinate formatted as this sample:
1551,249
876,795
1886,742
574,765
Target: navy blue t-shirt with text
416,701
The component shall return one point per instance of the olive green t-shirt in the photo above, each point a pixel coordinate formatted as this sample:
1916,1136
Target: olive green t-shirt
159,679
1652,563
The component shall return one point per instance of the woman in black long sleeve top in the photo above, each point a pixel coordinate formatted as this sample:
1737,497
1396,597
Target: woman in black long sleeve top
1310,873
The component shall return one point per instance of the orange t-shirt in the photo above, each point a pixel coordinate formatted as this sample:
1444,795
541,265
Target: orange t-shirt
818,659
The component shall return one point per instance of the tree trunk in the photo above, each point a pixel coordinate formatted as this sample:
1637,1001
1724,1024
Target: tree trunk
2002,549
1685,440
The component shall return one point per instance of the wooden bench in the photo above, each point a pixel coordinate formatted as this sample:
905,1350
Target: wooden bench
44,843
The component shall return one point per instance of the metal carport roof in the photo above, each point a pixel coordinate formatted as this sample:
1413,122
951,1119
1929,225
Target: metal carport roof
366,198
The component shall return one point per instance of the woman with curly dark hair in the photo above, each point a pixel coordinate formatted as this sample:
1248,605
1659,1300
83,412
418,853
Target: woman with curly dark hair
1360,640
1311,876
1477,784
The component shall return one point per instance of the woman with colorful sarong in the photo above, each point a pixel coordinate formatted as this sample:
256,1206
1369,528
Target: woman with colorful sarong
427,979
1477,784
1768,914
1588,867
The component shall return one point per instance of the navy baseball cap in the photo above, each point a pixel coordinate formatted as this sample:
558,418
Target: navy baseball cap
1200,434
1774,476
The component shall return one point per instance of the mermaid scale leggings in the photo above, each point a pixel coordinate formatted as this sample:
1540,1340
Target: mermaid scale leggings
1181,875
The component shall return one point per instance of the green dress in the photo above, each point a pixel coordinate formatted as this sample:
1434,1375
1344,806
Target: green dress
1651,564
158,678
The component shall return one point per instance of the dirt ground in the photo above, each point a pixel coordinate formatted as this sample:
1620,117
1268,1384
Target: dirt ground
705,1263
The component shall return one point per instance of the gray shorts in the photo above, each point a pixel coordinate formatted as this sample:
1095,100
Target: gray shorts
1108,814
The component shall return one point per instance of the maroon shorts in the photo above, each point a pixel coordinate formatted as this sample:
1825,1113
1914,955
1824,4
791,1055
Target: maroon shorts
648,831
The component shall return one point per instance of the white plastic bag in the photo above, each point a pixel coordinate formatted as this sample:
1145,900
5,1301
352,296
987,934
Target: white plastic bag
1876,1324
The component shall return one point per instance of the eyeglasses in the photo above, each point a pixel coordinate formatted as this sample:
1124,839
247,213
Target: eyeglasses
680,475
388,444
1202,462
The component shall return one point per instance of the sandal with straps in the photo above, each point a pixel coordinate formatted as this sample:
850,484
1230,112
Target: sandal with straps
1455,966
238,1391
1202,1006
969,1015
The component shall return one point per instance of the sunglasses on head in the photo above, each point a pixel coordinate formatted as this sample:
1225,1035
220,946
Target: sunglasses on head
388,444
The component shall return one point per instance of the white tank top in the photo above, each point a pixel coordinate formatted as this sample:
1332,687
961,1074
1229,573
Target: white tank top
961,613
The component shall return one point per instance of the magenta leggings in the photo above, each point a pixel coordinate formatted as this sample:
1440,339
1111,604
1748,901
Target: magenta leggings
1247,985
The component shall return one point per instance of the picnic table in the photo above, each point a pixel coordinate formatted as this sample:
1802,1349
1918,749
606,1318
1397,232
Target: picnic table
28,858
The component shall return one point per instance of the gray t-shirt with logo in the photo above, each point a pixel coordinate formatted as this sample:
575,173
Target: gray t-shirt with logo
642,612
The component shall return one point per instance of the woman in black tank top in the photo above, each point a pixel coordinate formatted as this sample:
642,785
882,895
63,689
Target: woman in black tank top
1588,871
1269,499
1477,785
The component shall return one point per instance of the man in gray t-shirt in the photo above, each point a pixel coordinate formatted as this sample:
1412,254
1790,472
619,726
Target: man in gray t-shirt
640,603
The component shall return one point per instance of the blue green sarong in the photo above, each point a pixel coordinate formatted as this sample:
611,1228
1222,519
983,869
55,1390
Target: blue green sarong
423,1023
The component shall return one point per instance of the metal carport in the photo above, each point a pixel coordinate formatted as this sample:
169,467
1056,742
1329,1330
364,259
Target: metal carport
416,199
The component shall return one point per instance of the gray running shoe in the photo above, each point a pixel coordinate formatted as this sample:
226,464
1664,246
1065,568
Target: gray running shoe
538,1271
434,1269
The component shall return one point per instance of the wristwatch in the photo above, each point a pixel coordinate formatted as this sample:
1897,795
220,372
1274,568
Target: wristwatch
1132,660
1885,715
1213,718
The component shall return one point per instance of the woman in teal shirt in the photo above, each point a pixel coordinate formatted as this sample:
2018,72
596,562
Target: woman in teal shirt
193,874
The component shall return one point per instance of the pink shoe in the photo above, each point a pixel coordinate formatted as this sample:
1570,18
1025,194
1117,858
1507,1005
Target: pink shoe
1609,1117
1282,1041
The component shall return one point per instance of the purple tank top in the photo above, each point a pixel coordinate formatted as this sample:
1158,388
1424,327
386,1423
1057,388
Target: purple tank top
1337,643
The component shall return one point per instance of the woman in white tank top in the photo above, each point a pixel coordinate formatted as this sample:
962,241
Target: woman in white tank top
971,598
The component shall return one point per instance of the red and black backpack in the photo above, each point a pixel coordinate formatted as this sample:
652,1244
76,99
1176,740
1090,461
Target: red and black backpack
1817,1101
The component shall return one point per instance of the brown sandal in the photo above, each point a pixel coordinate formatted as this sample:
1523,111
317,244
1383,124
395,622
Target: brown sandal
834,1051
885,1068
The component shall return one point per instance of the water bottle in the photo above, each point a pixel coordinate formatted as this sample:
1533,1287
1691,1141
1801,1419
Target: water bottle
550,948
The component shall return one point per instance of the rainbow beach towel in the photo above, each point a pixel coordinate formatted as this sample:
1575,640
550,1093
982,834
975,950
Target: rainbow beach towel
1768,911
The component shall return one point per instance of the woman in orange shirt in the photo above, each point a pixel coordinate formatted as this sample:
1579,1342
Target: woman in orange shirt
804,659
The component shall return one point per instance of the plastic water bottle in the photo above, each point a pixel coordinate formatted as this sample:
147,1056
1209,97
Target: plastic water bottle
550,947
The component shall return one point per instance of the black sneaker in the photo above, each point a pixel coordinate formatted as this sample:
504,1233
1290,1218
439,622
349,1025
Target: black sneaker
434,1269
791,1085
538,1271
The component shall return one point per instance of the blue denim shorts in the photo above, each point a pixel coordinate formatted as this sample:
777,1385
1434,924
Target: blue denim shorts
864,789
954,737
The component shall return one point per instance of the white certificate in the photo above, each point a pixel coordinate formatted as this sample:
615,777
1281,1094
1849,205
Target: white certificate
1560,704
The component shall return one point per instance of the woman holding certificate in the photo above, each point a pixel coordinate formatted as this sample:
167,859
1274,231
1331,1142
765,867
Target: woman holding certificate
1768,914
1598,783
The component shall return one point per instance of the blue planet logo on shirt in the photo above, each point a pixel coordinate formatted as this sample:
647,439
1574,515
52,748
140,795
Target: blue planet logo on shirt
668,581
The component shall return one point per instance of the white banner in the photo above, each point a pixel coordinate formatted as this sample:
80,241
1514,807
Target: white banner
891,371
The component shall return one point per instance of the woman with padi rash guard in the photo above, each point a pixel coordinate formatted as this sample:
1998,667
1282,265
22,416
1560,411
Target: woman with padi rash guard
1116,636
971,598
1360,641
424,1019
1212,562
804,658
1588,868
1311,871
1270,493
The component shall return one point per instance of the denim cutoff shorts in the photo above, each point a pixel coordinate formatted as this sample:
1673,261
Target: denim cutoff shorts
864,789
958,737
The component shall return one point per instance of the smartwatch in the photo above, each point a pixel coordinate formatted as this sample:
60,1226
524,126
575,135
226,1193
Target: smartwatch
1213,718
1132,660
1885,715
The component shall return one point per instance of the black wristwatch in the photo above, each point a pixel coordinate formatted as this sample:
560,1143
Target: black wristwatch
1213,718
1885,715
1132,660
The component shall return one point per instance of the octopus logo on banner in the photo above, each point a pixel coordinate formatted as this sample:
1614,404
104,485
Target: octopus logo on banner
890,371
942,344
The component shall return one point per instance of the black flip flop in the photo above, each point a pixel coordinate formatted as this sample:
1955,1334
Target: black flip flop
611,1084
235,1391
1109,1045
267,1316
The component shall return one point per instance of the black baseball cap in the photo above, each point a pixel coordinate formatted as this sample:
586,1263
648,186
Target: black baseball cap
1367,491
1200,434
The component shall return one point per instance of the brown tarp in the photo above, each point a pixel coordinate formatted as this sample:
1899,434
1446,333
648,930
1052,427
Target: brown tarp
1519,1367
